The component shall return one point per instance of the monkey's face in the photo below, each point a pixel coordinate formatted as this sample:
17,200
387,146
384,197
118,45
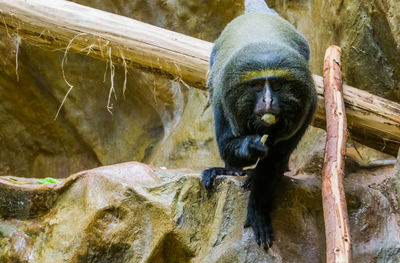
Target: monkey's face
268,95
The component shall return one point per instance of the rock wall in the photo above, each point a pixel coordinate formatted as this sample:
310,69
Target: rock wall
159,121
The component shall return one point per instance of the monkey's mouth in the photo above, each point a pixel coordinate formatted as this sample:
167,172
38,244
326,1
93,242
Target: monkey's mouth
268,119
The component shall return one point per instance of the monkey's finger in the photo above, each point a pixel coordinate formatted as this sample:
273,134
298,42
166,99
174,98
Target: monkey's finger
260,149
256,232
247,223
270,237
208,178
258,241
206,181
263,236
255,142
269,243
246,185
238,173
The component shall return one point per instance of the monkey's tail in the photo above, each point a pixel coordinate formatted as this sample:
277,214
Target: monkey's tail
257,6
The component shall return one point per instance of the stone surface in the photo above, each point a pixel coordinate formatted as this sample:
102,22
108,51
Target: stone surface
133,213
158,121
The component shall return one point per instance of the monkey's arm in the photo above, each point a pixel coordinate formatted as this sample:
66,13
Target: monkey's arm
237,151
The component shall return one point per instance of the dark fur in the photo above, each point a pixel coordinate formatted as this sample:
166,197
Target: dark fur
251,43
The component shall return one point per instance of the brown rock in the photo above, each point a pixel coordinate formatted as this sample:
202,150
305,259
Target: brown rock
133,213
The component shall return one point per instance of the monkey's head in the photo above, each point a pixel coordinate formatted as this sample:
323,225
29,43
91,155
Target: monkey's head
258,80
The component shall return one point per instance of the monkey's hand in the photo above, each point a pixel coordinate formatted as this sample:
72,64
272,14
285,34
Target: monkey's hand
253,148
242,151
260,223
209,175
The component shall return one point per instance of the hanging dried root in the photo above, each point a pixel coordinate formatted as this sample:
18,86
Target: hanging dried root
125,73
112,71
17,41
64,60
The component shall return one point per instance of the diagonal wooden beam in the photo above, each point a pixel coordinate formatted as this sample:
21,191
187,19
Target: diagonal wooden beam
372,121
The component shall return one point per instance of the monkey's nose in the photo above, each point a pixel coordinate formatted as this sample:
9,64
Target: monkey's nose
268,100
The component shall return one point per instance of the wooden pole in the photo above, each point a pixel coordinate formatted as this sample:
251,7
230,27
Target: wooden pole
373,121
338,243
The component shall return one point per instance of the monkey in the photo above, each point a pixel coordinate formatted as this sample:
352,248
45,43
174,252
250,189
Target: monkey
259,67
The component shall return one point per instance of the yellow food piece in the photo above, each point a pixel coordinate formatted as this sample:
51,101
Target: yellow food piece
264,138
268,118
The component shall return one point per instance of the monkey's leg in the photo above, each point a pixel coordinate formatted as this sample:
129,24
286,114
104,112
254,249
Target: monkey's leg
258,215
250,174
209,175
262,189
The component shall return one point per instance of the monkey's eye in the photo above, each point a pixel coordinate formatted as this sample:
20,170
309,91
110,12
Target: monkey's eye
276,83
257,85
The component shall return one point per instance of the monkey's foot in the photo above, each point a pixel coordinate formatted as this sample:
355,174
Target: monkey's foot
260,223
210,174
247,183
